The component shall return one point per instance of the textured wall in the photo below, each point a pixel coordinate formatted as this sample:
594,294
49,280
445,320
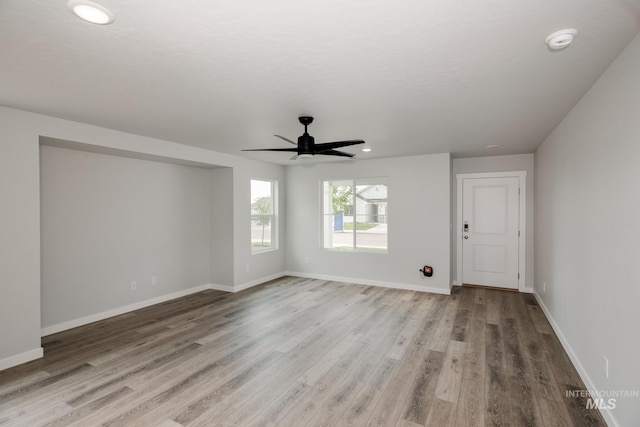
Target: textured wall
587,238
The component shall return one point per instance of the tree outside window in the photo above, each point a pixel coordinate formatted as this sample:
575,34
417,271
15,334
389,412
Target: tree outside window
342,199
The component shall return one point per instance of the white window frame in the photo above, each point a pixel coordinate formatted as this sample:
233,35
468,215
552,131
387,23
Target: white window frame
327,216
273,216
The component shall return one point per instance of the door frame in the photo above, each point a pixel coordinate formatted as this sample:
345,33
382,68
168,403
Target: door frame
522,219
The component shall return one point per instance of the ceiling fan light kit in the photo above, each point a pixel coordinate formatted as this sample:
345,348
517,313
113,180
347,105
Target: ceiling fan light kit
307,148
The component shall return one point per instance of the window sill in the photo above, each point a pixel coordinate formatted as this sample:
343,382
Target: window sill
358,251
261,251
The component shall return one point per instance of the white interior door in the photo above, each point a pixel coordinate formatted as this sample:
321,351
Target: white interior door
490,229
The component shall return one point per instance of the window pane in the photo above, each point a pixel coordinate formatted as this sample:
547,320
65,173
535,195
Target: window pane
337,200
262,215
371,214
342,231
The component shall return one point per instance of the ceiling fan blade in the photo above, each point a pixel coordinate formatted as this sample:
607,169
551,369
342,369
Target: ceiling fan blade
293,150
331,145
306,146
286,139
335,153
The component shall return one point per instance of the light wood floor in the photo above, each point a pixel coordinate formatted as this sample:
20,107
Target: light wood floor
297,352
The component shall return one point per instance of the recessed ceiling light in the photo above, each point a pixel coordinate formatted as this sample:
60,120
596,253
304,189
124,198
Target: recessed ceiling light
366,150
492,146
91,12
560,39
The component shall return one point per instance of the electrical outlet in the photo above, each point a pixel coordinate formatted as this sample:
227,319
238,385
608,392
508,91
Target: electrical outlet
606,366
134,285
246,267
306,260
154,280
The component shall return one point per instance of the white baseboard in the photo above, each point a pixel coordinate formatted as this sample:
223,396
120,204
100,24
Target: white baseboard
392,285
223,288
21,358
121,310
259,281
606,413
525,290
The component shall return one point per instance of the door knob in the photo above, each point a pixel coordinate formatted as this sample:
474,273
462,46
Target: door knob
466,237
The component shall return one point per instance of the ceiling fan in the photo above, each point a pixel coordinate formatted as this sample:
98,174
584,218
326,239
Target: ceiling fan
306,146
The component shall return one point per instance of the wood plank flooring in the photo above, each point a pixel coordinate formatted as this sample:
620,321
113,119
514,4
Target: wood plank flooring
296,352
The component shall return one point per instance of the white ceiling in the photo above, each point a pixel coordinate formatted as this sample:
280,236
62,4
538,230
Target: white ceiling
409,77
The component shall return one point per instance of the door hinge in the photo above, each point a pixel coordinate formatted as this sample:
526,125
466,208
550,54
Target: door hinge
518,233
518,276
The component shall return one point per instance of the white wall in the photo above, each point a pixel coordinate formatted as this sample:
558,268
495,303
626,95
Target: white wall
587,236
517,162
222,241
109,220
19,242
419,221
20,133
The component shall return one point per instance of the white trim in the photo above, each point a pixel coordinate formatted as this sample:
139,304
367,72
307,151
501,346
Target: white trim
492,174
223,288
121,310
392,285
275,197
522,241
606,413
525,290
259,281
21,358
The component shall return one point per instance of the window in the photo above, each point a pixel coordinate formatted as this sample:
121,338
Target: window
355,214
263,216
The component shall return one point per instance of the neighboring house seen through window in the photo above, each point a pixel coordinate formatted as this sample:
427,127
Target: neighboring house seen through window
355,214
263,218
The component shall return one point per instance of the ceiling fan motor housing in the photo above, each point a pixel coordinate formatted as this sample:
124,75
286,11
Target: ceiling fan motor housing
306,144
